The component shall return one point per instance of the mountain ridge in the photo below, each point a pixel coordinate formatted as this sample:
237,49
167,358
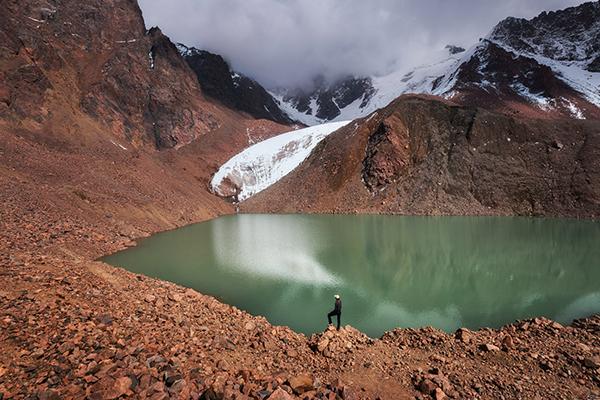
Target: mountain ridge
573,79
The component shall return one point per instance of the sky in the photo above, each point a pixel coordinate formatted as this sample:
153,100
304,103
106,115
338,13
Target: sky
287,43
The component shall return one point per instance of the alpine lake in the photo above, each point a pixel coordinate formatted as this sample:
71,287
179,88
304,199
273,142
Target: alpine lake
390,271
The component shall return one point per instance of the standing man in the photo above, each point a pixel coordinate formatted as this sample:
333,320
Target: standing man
337,311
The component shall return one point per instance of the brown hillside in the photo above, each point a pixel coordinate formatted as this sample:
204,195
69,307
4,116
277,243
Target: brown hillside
420,155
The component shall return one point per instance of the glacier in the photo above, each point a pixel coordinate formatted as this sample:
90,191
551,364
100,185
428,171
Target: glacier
264,163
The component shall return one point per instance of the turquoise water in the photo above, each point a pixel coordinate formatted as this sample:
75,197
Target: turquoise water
391,271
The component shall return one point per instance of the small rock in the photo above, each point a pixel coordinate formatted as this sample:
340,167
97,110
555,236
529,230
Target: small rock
223,365
427,386
250,326
592,362
280,394
322,345
178,386
122,385
150,298
171,377
546,365
439,394
291,353
175,297
489,347
105,319
301,383
46,395
507,342
556,325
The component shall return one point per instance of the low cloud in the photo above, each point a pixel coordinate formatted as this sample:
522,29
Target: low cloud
289,42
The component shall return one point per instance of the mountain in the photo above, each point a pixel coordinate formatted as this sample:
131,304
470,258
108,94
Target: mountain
425,155
546,67
326,102
62,65
101,116
232,89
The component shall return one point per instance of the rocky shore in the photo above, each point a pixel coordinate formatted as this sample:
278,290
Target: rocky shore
72,327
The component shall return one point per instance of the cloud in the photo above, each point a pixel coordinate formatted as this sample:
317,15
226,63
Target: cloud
289,42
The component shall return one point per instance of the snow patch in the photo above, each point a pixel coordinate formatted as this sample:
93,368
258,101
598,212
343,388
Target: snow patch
266,162
151,58
575,112
537,99
118,145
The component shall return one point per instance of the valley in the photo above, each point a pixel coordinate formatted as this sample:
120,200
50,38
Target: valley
110,133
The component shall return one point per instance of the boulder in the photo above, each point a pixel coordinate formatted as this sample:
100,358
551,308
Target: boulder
301,383
122,385
464,335
592,362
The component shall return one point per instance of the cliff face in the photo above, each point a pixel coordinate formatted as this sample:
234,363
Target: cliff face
230,88
66,64
420,155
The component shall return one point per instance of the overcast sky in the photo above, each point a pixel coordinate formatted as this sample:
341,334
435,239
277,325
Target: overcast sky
288,42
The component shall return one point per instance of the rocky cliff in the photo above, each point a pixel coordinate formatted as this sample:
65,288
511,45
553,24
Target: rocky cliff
66,63
231,88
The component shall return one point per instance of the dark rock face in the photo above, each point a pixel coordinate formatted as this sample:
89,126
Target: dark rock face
498,79
386,157
572,34
331,98
454,49
97,59
231,89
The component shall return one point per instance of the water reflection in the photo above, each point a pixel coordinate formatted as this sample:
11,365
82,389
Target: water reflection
282,249
391,271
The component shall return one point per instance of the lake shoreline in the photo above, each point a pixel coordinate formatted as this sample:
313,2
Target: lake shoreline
108,312
392,271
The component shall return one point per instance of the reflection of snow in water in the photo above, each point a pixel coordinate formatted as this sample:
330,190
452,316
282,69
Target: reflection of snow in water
282,249
585,305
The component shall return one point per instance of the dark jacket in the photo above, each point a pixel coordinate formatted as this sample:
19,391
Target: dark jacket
338,306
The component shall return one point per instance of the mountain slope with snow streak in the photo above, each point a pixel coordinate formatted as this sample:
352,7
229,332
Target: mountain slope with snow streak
264,163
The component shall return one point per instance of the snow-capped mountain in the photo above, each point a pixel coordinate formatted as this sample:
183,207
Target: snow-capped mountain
261,165
231,88
546,66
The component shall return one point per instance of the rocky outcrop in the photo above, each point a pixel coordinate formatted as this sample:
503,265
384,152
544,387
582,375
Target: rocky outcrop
73,65
386,156
425,156
230,88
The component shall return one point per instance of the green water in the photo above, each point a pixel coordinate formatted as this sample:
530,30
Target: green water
391,271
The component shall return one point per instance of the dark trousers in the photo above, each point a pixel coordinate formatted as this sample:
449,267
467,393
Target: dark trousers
331,314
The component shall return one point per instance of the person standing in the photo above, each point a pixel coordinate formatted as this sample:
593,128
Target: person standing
337,311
